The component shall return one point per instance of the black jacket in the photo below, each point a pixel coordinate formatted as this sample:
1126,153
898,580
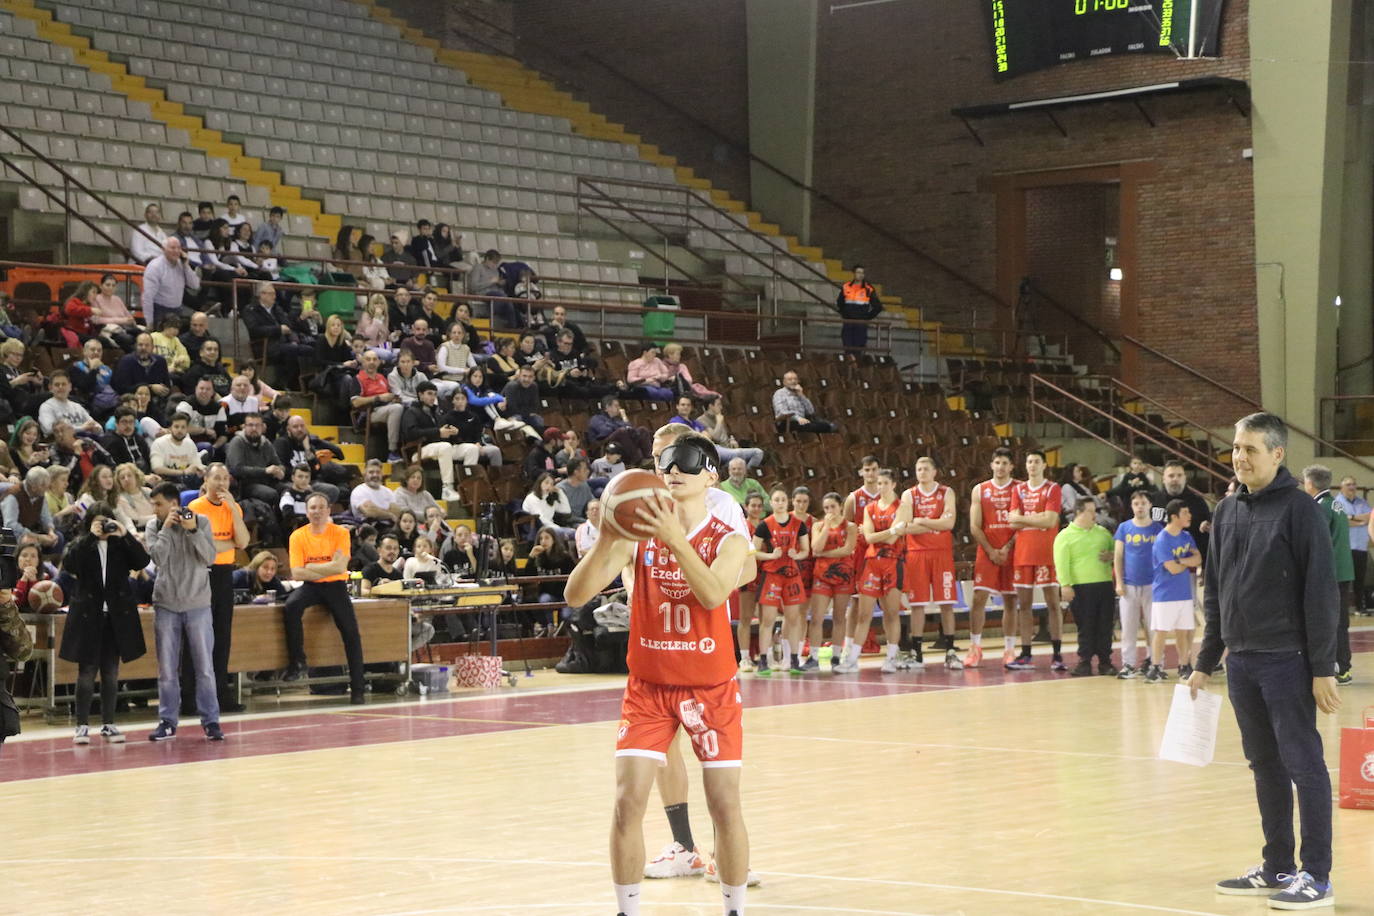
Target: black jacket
134,449
290,454
1197,507
420,423
81,638
471,425
1271,586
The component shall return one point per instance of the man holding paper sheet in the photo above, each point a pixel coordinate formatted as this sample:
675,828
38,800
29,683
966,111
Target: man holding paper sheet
1271,599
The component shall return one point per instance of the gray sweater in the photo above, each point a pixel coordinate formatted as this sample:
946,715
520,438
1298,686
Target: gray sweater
249,462
181,557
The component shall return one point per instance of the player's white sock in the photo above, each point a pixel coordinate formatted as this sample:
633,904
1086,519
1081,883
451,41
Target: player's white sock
855,650
627,898
848,641
891,650
786,649
1010,643
976,638
732,898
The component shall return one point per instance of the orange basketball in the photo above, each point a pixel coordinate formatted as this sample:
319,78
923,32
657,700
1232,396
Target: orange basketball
45,597
627,491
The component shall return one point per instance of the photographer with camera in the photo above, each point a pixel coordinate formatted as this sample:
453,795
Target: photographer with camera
182,545
103,627
15,641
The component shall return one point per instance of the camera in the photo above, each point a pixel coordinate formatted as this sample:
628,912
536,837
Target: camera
109,527
9,566
185,514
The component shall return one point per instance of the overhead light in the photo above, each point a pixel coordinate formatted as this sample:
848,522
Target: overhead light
1116,274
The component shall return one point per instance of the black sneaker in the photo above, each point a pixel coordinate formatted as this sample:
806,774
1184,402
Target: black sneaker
1107,669
165,730
1185,672
1082,669
1155,675
1303,893
1126,673
1254,883
294,672
213,732
1345,678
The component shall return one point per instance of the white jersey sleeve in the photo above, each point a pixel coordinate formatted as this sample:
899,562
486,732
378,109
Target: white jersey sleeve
723,506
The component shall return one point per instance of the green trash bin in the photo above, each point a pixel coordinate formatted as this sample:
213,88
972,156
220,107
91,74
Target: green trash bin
660,318
298,273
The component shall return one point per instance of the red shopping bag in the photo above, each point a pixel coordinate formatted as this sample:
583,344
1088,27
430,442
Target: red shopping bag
1357,764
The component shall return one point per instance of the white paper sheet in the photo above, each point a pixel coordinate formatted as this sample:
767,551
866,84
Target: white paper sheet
1190,735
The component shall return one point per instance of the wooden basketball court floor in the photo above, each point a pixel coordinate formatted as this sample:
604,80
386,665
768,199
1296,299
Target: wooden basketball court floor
975,792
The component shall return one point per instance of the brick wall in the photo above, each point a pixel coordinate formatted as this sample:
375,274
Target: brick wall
1065,255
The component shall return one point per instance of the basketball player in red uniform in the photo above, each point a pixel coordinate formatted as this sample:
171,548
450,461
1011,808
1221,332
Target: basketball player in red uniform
927,518
748,591
682,667
801,511
1035,505
882,574
832,545
780,544
854,505
988,523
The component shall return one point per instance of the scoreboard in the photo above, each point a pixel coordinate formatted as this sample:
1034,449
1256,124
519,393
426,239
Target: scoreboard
1032,34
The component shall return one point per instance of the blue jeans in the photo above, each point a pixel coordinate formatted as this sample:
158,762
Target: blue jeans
170,627
753,457
1271,693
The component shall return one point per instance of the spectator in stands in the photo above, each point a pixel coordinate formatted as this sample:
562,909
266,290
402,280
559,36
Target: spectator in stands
25,449
684,415
405,377
372,323
400,264
422,422
648,376
557,325
204,411
98,492
145,239
285,339
448,247
297,446
255,464
1077,483
412,494
529,351
26,512
166,280
60,407
191,242
421,247
587,533
713,423
1136,477
208,366
739,484
271,230
266,394
398,313
375,395
347,248
370,499
151,419
142,367
387,567
407,530
240,403
549,557
174,456
205,218
196,333
522,399
1175,486
32,570
102,626
485,279
111,317
454,358
219,265
374,272
61,506
502,364
570,448
73,320
124,443
462,315
610,463
1357,512
291,508
232,215
683,382
167,344
80,455
333,356
91,380
419,345
858,304
319,560
577,488
426,307
131,493
483,401
471,444
539,458
792,408
570,374
260,576
21,390
610,425
549,504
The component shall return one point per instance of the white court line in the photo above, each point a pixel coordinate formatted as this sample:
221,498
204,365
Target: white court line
599,906
451,860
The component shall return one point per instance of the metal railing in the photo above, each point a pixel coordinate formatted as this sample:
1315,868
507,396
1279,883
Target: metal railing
1345,423
1122,393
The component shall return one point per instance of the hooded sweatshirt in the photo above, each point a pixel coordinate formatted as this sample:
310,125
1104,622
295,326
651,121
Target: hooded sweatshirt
181,557
1271,586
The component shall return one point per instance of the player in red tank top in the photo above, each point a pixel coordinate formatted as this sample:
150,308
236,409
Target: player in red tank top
927,518
854,505
681,662
832,545
754,512
989,509
1035,505
801,511
882,577
780,544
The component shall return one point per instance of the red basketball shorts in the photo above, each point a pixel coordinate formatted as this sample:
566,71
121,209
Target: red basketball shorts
881,575
833,577
928,575
989,577
1031,576
713,717
778,590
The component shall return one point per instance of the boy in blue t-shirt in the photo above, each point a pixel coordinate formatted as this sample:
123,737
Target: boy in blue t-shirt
1134,570
1175,556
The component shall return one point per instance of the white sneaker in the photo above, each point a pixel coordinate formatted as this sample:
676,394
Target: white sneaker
111,734
746,664
952,661
911,662
451,495
83,735
751,881
846,668
675,862
889,666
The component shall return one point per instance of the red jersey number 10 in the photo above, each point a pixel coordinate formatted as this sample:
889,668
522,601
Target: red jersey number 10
676,616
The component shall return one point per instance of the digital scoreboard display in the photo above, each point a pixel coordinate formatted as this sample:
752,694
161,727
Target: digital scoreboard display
1033,34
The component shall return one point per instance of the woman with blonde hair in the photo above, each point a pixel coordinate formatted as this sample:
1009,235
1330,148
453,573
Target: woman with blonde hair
672,358
372,324
260,575
131,495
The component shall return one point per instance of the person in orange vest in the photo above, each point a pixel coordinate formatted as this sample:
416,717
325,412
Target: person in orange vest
857,304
